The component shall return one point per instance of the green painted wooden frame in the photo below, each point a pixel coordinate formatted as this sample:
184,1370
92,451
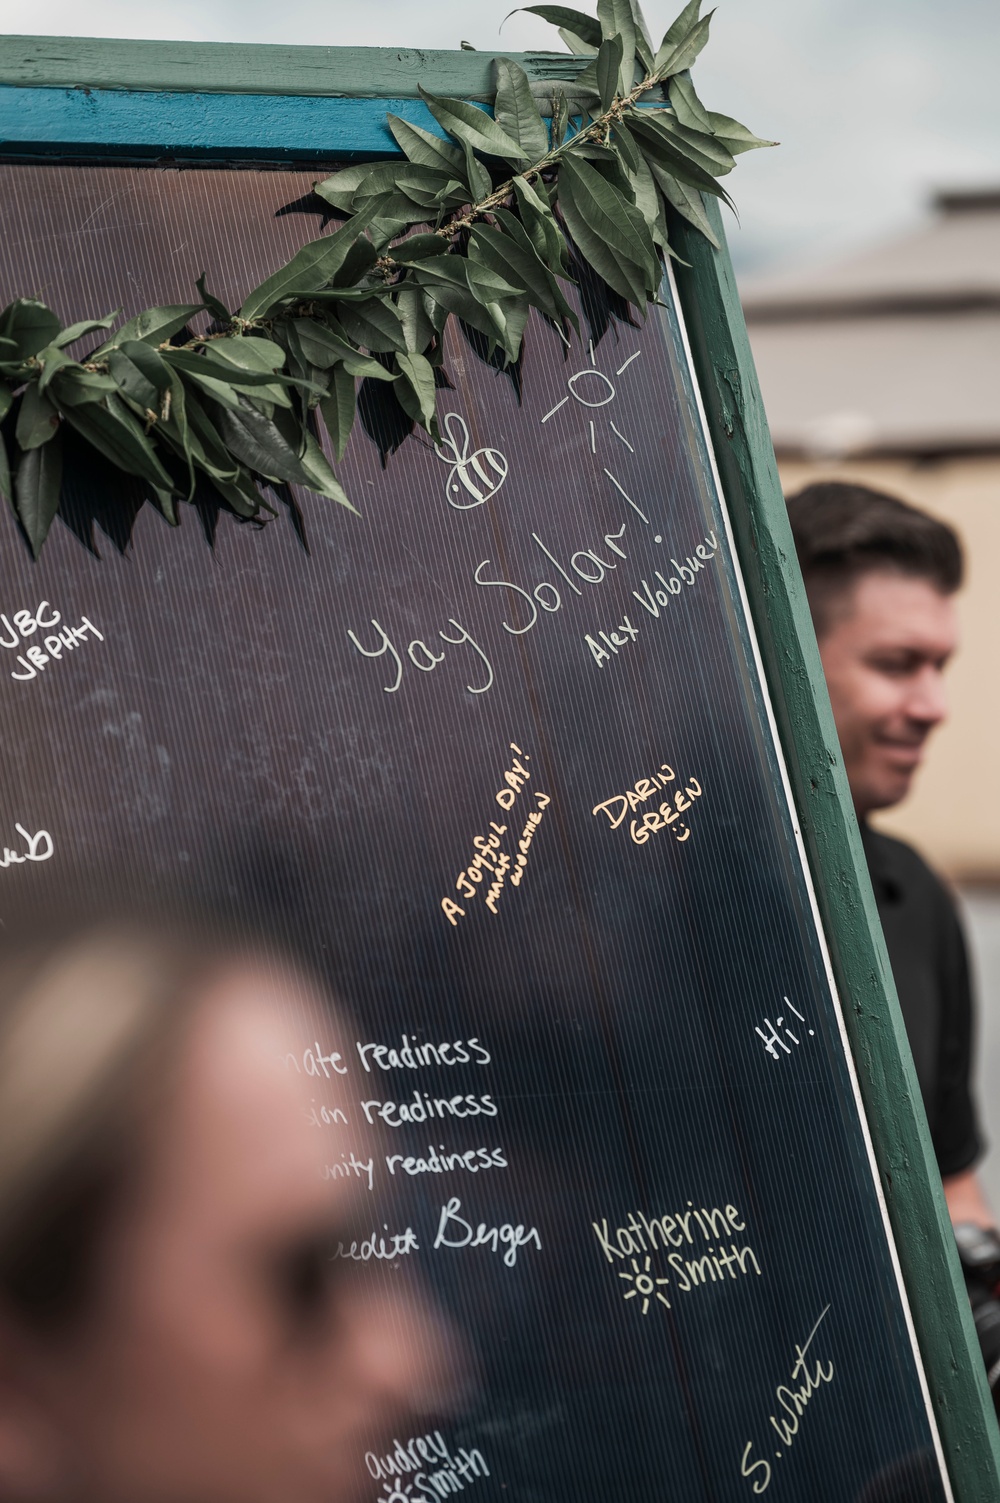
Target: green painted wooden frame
738,429
900,1133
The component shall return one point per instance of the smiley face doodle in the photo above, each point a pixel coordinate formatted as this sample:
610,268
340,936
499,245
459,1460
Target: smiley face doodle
468,472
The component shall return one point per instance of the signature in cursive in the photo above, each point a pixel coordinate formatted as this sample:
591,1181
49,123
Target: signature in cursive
39,847
793,1397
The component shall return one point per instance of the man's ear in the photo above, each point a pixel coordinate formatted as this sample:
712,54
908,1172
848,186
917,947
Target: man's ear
33,1453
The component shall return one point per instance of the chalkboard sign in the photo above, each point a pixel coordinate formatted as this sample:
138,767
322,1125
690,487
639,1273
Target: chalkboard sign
501,753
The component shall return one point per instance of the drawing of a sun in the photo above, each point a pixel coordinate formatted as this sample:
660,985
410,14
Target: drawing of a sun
644,1284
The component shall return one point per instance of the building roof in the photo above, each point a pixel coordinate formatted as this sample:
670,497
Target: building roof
893,350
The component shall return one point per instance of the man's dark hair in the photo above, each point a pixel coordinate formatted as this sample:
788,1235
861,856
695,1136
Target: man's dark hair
843,531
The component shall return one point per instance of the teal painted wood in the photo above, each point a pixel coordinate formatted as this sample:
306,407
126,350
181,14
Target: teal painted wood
903,1149
238,68
79,123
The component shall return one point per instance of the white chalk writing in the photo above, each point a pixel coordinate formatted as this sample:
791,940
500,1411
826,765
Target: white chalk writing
468,472
38,847
454,1231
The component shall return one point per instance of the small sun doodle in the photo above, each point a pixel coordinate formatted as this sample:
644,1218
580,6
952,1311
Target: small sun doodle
643,1283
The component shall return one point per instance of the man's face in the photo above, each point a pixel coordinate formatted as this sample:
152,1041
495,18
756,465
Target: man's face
884,652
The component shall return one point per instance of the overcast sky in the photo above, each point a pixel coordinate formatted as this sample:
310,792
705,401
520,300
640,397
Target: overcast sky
875,102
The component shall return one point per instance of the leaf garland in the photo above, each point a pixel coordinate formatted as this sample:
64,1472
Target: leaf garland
475,225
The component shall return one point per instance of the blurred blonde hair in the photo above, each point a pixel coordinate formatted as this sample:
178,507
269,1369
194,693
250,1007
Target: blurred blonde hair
89,1027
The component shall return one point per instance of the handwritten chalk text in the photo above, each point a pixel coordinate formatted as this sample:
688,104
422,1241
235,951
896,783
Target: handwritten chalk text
793,1397
421,655
38,847
454,1231
413,1056
424,1108
471,1160
653,821
34,660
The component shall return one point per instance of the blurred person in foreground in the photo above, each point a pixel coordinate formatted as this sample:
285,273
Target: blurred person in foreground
881,578
174,1324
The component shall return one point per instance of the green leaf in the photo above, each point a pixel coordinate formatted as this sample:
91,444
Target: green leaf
582,26
174,427
610,233
688,202
36,491
469,124
206,443
617,20
339,189
164,500
150,362
324,348
5,487
339,407
239,493
610,165
540,224
320,476
258,443
112,429
419,374
88,326
627,149
665,152
51,359
489,285
30,326
405,187
310,268
205,366
479,181
576,44
515,312
645,51
515,260
218,310
677,59
647,200
77,387
220,391
374,324
132,383
699,146
424,148
680,27
609,66
357,263
418,248
516,112
154,326
453,295
37,419
249,351
686,105
734,136
418,331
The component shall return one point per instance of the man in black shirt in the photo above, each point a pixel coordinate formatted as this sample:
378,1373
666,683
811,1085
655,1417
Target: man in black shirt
881,576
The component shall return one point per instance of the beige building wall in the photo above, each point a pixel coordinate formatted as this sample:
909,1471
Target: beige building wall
953,814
